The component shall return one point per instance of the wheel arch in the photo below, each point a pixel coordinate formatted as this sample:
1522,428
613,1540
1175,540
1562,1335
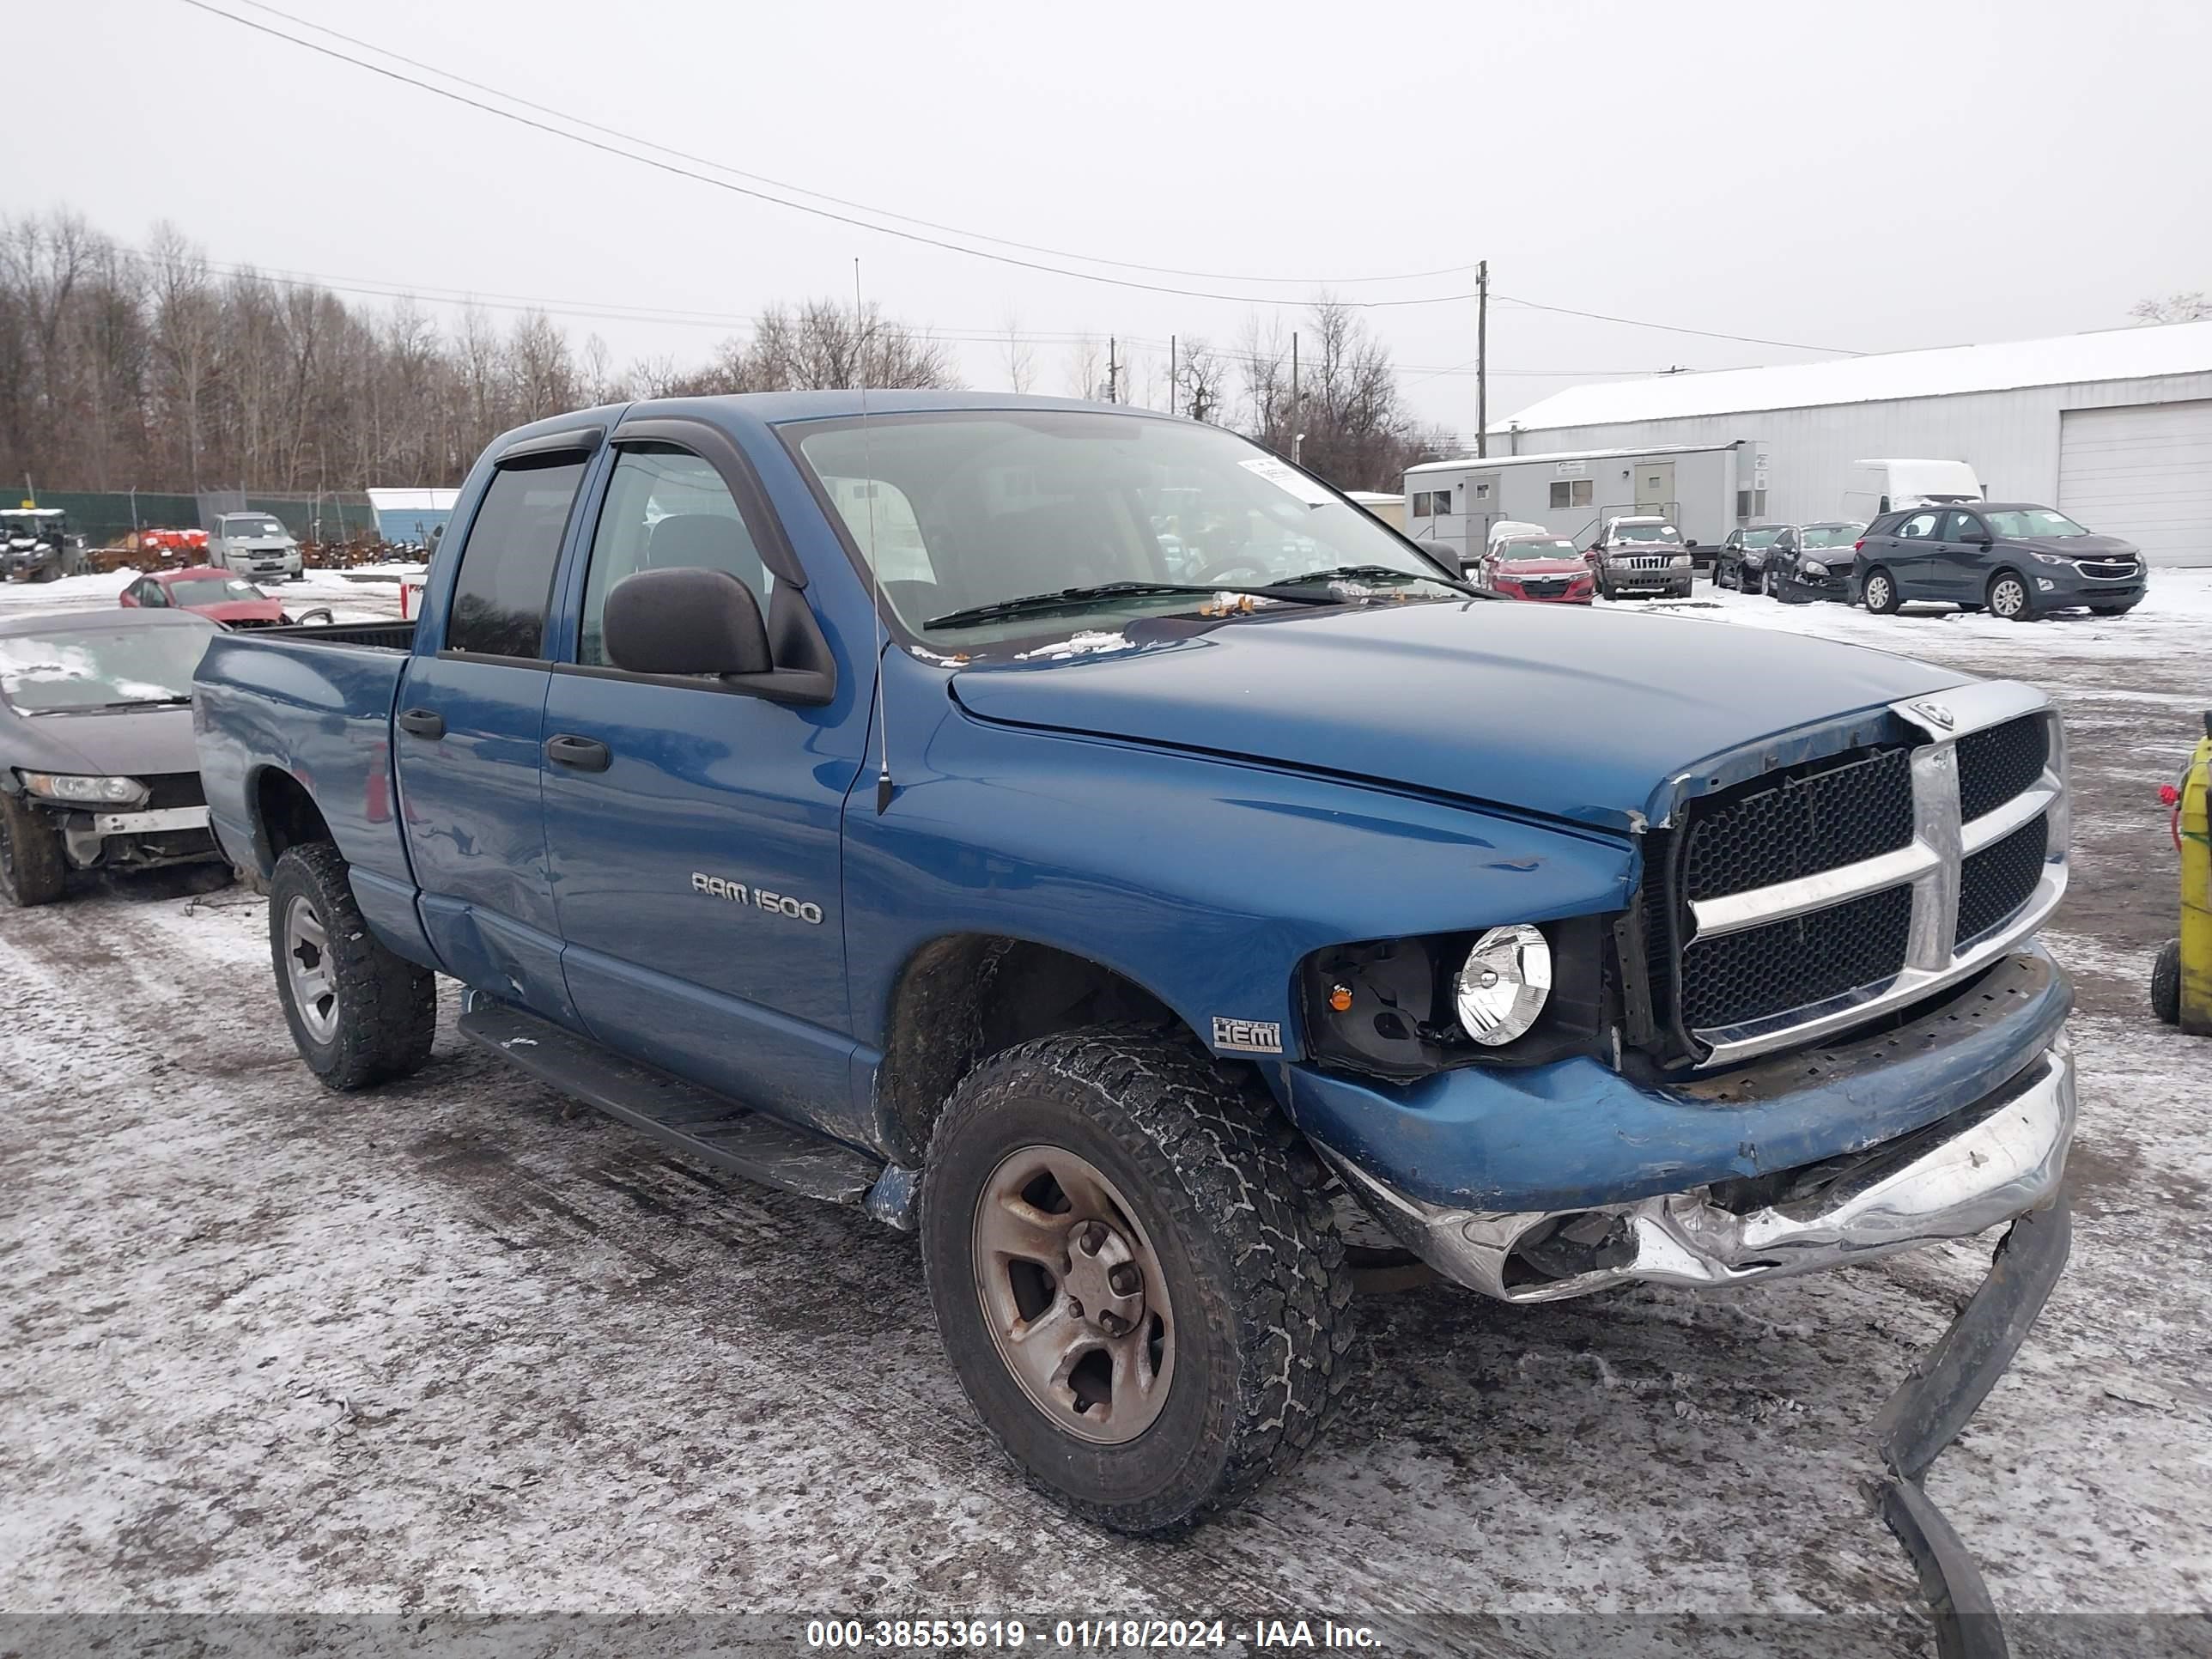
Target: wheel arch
285,816
960,998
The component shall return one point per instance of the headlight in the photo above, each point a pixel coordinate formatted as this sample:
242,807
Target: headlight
84,791
1680,562
2049,558
1812,568
1503,985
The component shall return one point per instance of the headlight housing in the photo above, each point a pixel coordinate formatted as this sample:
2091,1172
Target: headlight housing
2049,558
1679,562
1504,984
81,790
1813,567
1518,994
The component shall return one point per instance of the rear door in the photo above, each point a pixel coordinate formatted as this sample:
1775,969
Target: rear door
467,731
693,832
1912,551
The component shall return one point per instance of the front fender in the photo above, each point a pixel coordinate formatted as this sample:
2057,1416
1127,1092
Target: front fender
1203,880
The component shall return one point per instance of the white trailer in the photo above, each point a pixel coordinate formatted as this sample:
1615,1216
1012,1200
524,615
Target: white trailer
1707,489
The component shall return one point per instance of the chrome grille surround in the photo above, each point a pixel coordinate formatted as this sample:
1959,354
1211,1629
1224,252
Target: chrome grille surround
1930,864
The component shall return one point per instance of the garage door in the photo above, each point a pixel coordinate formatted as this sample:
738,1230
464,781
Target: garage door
2143,471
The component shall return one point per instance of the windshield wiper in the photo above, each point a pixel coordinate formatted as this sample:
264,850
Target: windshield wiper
1366,573
142,702
1075,599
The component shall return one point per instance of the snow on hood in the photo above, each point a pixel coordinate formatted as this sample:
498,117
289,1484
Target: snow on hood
1581,717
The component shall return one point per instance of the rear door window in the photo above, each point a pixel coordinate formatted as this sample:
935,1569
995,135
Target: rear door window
506,581
1920,527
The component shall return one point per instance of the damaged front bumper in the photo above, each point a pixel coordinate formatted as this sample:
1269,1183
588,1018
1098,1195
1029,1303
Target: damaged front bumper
1969,1172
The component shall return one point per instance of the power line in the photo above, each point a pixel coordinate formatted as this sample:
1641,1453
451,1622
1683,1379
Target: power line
825,196
1672,328
796,207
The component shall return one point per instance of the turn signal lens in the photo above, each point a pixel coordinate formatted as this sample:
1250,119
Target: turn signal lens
1502,988
1340,998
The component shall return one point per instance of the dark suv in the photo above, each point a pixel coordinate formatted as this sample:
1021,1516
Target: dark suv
2019,559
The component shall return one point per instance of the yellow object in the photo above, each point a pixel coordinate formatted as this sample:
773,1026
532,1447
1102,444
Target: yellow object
2196,893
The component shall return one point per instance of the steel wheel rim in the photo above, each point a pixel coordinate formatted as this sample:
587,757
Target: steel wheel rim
1051,1231
2008,598
307,971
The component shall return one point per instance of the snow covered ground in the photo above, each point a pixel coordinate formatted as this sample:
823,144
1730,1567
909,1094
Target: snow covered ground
460,1347
364,593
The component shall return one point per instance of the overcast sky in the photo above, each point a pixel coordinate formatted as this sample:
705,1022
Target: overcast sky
1875,177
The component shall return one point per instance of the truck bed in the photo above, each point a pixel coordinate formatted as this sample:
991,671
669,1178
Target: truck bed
376,636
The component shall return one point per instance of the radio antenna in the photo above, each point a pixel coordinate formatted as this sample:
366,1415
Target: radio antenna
880,638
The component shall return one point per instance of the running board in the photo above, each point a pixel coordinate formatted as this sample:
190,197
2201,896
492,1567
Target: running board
709,1126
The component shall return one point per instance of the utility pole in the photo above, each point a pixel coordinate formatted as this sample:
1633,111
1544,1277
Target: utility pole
1294,384
1482,360
1112,375
1171,369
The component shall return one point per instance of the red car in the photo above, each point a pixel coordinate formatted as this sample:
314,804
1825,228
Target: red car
216,594
1548,569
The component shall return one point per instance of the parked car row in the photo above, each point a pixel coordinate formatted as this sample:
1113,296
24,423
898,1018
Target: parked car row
2018,561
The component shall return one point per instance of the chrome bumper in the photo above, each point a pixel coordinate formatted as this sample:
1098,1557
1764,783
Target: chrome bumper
1987,1164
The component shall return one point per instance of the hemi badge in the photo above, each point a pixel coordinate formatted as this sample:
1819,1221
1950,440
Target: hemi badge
1249,1036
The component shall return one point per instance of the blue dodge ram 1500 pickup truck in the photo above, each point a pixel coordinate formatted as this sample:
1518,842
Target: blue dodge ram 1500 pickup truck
847,791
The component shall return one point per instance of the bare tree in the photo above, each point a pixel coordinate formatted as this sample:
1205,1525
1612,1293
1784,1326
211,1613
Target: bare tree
2193,307
1201,380
1021,361
1086,368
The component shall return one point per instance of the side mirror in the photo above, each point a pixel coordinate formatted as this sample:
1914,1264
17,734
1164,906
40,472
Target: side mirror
1978,537
685,622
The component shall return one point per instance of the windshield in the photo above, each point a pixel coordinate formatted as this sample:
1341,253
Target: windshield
2022,522
213,590
975,509
89,667
1830,535
1644,532
254,527
1555,547
1760,538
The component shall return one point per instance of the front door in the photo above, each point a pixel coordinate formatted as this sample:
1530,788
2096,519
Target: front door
467,732
692,831
1915,551
1482,512
1655,488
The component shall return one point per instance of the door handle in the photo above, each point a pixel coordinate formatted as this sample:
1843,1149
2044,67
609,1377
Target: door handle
585,754
422,723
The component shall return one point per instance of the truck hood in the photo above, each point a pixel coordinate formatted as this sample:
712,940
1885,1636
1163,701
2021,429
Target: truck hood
1573,716
260,543
123,742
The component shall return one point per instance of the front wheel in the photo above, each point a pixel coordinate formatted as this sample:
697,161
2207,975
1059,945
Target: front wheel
32,869
359,1014
2008,598
1146,1305
1879,594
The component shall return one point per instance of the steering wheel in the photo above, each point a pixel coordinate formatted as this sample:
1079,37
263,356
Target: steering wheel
1223,571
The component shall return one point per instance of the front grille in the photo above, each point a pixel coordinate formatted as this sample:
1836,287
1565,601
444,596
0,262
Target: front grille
173,789
1550,588
2000,762
1642,561
1997,881
1831,813
2106,569
1857,843
1762,971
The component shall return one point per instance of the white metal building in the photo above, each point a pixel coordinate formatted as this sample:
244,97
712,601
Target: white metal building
2114,427
1703,487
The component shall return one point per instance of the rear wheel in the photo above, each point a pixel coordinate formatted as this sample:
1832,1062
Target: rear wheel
32,869
2008,598
1879,593
1144,1302
359,1014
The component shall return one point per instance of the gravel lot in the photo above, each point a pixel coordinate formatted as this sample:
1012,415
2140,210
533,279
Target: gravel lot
458,1347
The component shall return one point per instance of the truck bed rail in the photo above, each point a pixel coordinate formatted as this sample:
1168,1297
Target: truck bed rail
377,637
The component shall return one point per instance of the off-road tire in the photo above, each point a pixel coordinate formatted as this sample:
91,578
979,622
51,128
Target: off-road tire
387,1008
1228,1195
32,869
2166,983
1890,600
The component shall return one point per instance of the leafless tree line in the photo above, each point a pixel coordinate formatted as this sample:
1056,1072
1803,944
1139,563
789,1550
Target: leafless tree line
152,369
